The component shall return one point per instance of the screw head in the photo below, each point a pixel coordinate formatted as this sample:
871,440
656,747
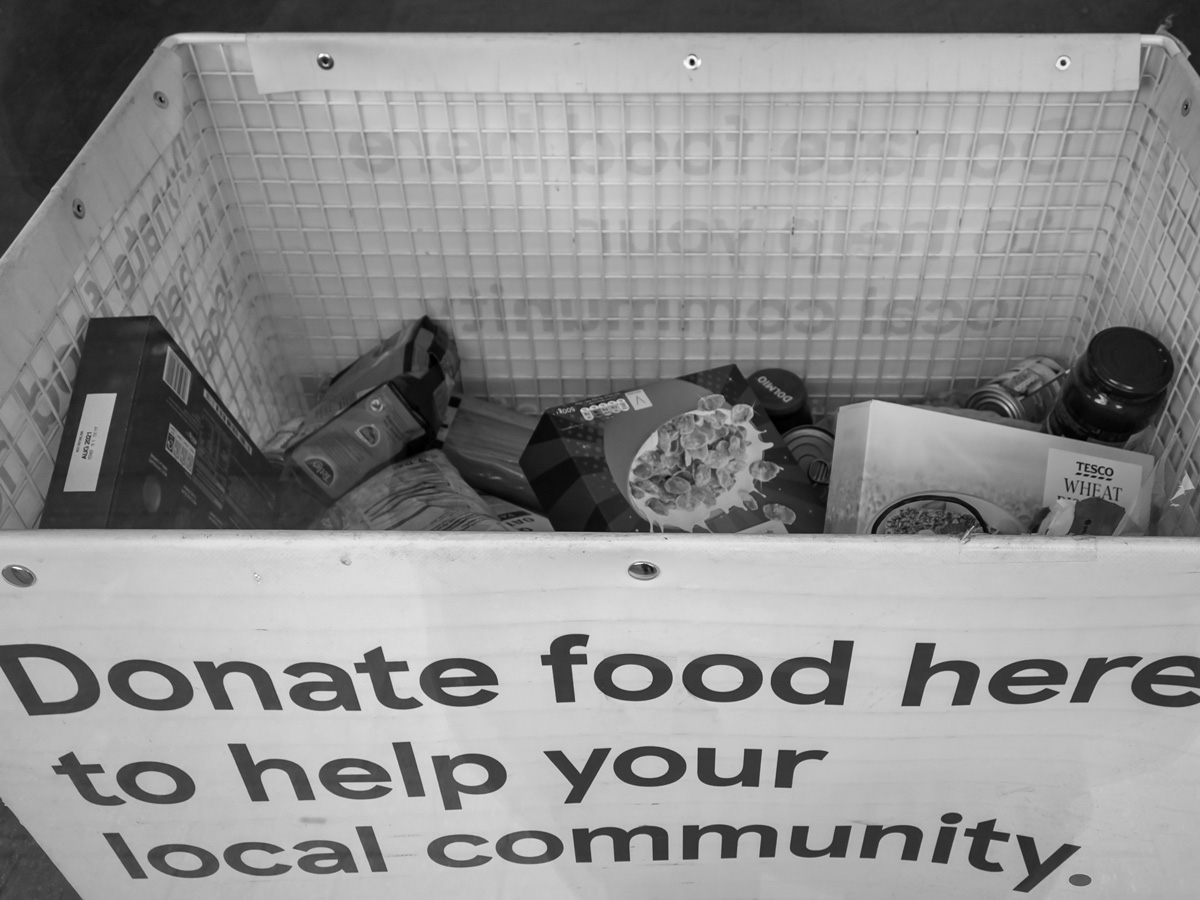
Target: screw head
18,576
325,61
643,571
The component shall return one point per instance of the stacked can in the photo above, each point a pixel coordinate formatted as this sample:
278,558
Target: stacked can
784,398
1027,391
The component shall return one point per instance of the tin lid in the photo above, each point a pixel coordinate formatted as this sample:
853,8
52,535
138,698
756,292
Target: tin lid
812,448
1131,361
820,471
782,396
993,398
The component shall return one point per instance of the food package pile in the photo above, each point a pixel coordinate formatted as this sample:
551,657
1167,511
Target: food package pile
392,443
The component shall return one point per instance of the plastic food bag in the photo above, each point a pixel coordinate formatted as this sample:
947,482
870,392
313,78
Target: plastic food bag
485,441
516,518
423,493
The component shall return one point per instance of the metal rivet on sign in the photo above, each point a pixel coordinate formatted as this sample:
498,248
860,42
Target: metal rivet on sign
1187,107
1062,63
691,61
643,571
18,576
160,100
324,60
78,208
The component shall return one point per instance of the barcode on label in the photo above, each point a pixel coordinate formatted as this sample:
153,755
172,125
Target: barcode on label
180,448
177,375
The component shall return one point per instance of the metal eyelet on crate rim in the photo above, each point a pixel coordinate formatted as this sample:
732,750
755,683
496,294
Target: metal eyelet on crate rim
18,576
1062,63
78,209
160,100
1187,106
644,571
324,60
691,61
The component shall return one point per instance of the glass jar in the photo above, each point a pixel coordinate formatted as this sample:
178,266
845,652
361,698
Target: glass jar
1115,389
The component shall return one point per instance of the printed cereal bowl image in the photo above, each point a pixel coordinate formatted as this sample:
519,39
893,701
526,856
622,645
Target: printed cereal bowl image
702,464
934,514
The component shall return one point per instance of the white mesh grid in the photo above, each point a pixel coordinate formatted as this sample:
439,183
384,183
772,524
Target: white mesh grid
883,245
1149,276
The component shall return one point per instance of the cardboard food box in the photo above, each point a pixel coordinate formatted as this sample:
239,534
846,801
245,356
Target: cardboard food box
903,470
685,454
388,404
421,361
359,440
148,444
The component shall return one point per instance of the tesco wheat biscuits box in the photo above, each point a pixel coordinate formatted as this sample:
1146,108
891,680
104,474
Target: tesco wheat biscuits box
690,454
906,470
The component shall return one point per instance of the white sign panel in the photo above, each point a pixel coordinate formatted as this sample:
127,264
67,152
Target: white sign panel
485,717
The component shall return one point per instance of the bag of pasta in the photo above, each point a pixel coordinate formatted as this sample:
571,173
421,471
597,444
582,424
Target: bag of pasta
422,493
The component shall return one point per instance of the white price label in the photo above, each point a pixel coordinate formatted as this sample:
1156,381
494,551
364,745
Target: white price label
83,472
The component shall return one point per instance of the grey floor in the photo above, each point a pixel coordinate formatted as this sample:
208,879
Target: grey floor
63,64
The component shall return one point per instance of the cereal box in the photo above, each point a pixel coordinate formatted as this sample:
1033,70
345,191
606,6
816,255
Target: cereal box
907,470
690,454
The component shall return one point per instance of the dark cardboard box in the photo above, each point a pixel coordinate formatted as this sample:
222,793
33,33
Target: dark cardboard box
621,462
148,444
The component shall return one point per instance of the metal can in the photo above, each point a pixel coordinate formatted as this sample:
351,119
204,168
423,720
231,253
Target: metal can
812,448
1027,391
783,397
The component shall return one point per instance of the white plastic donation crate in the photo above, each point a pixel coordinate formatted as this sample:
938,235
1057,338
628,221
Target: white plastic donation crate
499,716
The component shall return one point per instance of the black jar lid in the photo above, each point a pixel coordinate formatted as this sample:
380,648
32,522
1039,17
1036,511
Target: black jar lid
1131,361
783,397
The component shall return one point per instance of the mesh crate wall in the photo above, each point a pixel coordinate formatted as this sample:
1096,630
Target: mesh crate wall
883,244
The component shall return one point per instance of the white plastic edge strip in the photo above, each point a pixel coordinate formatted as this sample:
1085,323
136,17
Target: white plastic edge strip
694,63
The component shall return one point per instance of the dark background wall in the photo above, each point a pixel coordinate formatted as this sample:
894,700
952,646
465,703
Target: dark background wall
63,63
